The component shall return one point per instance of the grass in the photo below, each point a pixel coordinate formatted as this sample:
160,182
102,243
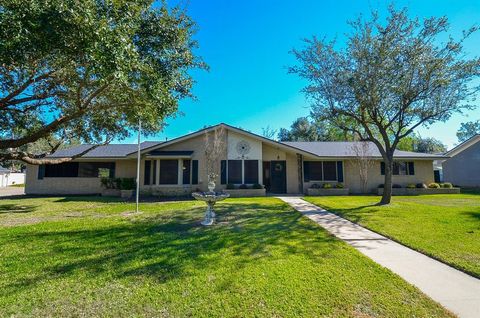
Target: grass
81,256
446,227
17,185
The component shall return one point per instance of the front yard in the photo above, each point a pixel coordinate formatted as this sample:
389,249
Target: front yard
91,257
446,227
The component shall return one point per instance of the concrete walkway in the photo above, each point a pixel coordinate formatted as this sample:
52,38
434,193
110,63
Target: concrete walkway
11,191
453,289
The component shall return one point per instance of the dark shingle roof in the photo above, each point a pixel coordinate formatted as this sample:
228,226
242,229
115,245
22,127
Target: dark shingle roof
107,151
345,149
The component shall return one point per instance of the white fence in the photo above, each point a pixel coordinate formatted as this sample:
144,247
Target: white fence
12,178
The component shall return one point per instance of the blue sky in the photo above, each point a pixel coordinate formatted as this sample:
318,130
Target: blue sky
247,44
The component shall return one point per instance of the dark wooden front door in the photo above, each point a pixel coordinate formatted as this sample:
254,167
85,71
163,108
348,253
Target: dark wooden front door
278,177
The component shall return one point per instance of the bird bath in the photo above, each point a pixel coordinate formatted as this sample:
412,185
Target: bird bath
210,197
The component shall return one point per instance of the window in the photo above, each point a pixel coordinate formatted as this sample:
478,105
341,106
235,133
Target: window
169,171
223,172
96,169
235,171
146,176
186,171
312,171
329,171
250,171
154,172
62,170
194,171
400,168
323,171
78,170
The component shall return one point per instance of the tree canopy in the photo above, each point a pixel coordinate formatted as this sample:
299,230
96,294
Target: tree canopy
468,130
417,143
304,129
89,70
391,77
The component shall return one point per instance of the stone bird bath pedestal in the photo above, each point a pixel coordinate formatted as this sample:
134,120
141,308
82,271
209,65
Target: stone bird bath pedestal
210,197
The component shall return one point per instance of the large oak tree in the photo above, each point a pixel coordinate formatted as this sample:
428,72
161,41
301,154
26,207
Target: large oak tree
390,78
89,70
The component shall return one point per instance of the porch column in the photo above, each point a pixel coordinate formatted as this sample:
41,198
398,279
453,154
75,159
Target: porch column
300,172
157,173
180,171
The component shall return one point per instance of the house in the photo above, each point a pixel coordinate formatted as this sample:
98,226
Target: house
8,178
177,166
462,168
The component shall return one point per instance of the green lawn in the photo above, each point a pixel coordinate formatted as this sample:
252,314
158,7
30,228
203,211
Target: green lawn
446,227
74,257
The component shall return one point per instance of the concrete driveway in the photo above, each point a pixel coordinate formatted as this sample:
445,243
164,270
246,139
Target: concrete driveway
11,191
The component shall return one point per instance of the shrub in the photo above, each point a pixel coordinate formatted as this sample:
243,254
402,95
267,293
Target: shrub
421,186
127,184
230,186
339,185
381,186
243,186
411,186
111,183
434,185
447,185
396,186
257,186
315,186
327,186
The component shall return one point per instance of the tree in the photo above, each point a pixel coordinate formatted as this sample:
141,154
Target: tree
415,142
389,79
363,161
300,130
269,132
215,148
304,129
89,71
429,145
468,130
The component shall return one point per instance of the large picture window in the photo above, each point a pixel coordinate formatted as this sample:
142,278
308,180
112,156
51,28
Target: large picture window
62,170
234,171
400,168
168,171
323,171
80,170
96,169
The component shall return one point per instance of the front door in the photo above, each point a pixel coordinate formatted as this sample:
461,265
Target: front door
278,177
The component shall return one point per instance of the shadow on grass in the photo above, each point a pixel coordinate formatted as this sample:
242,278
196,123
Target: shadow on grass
475,215
355,214
16,208
172,246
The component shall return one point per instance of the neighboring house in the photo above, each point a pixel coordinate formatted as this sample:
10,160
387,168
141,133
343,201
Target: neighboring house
463,166
8,178
177,166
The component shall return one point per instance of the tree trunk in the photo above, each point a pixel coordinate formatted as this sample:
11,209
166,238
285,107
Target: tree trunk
387,185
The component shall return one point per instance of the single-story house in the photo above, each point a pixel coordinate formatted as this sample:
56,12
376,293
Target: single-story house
177,166
9,178
462,167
